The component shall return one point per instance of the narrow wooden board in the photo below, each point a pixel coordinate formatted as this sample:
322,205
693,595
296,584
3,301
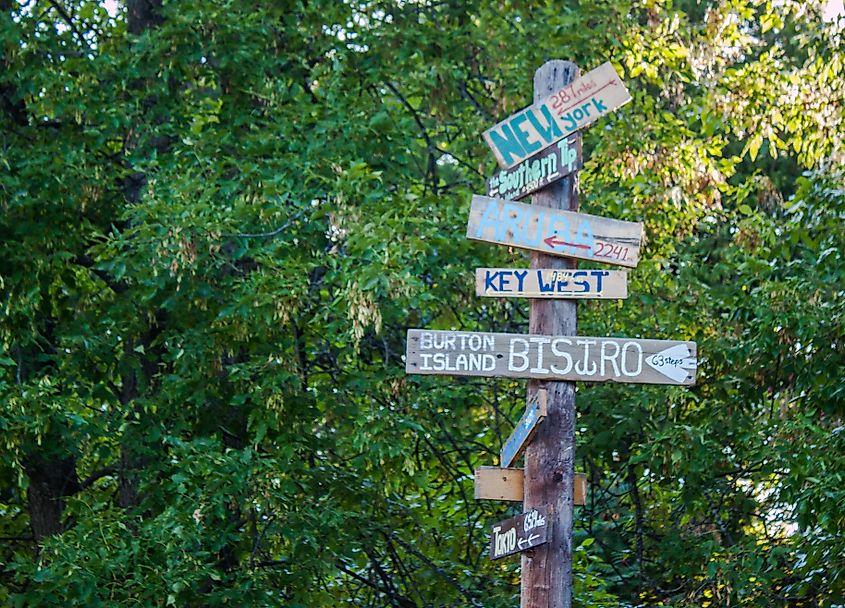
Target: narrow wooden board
496,483
579,489
555,232
464,353
524,430
551,283
532,174
573,107
519,533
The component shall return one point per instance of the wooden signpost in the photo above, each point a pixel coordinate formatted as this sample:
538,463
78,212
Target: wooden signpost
460,353
552,355
555,232
557,115
550,165
524,430
551,283
519,533
497,483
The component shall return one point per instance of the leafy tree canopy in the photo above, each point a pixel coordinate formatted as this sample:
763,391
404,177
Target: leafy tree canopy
219,218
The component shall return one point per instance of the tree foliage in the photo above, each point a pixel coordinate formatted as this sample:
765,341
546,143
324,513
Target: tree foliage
219,218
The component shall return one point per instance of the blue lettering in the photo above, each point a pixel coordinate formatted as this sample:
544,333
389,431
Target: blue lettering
600,105
520,277
488,281
584,284
599,274
538,228
507,144
504,282
585,236
489,219
510,225
551,131
545,287
571,124
528,146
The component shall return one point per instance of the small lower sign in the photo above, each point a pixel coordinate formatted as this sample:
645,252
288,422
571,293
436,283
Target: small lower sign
519,533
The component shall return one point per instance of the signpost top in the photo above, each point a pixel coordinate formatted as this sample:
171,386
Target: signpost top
566,110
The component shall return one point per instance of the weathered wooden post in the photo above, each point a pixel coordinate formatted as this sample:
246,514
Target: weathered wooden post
539,151
550,458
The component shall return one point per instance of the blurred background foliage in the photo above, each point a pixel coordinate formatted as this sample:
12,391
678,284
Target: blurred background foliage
220,217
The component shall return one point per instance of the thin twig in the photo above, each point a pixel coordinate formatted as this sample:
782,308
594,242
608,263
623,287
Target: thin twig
66,18
262,235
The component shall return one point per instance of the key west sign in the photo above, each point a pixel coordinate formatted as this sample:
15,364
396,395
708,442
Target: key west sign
550,283
459,353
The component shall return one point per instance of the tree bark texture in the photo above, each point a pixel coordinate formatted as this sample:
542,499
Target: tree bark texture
550,459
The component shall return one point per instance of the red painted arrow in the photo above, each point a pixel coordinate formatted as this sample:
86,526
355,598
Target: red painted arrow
551,241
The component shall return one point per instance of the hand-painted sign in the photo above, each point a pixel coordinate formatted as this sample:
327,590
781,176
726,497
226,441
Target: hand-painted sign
524,430
555,232
550,165
519,533
575,106
551,283
494,483
462,353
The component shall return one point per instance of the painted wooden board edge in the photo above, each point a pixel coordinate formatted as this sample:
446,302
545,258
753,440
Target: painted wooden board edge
542,401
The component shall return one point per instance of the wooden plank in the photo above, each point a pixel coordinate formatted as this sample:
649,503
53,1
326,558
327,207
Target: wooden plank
577,358
579,486
551,283
519,533
554,232
532,174
524,430
557,115
496,483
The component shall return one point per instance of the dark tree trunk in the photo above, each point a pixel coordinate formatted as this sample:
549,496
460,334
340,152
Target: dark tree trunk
50,481
141,14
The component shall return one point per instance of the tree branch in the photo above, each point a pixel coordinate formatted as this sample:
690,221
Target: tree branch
67,19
